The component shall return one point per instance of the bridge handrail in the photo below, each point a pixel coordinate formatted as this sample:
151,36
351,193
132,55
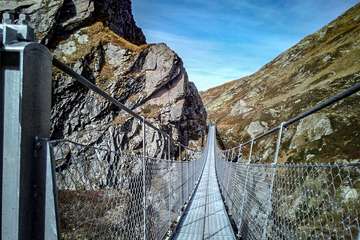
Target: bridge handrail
290,197
83,178
55,141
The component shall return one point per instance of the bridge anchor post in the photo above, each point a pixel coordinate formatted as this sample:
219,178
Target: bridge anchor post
25,106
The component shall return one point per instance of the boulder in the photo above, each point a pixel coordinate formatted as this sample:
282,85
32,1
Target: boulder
256,128
310,129
239,108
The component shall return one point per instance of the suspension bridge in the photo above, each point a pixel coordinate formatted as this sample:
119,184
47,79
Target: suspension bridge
206,217
61,189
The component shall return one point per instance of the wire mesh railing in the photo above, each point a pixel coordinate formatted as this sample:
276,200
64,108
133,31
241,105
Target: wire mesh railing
291,201
282,186
132,190
105,194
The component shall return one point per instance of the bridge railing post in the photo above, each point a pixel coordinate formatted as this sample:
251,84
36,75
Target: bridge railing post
244,195
170,181
25,109
231,185
193,174
223,169
228,185
182,177
188,179
144,178
223,173
273,175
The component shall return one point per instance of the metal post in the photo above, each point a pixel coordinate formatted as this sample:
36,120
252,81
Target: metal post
238,160
228,183
223,170
193,173
182,177
188,178
245,191
25,99
170,182
144,178
196,163
51,202
228,171
240,152
274,168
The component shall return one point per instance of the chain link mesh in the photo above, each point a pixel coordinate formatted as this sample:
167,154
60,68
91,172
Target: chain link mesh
289,200
101,192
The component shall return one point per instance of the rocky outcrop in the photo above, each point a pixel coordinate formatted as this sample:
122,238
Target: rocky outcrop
311,129
256,128
59,18
239,108
150,80
100,40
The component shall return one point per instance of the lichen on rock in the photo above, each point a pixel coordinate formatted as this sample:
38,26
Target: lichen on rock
256,128
311,129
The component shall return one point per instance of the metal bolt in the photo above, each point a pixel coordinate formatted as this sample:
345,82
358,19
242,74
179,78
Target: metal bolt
38,144
23,19
8,18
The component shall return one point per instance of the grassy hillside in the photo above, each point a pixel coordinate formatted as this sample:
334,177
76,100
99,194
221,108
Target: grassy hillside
319,66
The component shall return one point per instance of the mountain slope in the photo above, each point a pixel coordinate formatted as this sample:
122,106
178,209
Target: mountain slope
319,66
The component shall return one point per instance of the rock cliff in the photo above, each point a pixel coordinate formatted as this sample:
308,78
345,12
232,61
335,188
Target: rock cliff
59,18
100,40
319,66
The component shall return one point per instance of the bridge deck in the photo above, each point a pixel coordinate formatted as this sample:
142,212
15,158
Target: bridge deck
206,217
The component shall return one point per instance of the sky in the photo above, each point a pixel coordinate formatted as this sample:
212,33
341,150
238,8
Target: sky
223,40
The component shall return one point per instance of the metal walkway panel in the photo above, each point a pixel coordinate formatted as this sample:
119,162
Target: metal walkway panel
206,217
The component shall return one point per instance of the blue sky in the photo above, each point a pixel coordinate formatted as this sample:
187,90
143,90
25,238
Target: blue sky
222,40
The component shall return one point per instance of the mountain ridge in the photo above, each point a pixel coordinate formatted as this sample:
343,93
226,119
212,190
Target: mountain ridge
317,67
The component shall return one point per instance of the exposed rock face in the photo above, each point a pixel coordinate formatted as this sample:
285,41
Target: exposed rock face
61,17
311,129
99,39
256,128
319,66
240,108
149,80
